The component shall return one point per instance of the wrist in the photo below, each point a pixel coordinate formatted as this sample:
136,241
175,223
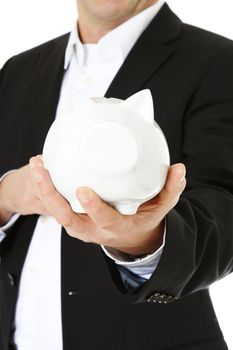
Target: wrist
5,212
4,216
153,240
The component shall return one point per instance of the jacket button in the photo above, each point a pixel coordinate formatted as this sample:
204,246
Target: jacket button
160,298
11,279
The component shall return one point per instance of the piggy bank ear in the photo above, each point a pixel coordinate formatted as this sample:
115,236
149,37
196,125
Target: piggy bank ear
142,103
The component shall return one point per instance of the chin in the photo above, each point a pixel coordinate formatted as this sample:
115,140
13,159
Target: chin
111,10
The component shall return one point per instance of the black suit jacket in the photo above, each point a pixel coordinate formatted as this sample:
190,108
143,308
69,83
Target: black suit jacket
190,74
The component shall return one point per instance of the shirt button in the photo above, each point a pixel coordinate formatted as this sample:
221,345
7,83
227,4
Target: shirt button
43,219
32,269
88,80
27,328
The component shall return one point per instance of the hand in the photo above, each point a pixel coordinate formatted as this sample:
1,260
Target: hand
18,194
137,234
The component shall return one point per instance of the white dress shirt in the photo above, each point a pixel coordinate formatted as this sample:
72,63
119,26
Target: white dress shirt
89,69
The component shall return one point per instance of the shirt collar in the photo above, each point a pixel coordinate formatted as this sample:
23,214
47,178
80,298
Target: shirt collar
133,27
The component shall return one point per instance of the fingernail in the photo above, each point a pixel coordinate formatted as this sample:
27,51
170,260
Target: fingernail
181,183
34,164
84,194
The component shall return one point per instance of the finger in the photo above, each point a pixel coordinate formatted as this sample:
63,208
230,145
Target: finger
100,212
174,186
35,161
175,178
55,203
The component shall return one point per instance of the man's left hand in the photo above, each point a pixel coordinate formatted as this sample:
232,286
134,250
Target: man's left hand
137,234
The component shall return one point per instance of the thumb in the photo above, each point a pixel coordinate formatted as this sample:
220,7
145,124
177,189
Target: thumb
175,185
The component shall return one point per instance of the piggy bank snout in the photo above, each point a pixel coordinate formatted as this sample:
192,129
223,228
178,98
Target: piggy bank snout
109,148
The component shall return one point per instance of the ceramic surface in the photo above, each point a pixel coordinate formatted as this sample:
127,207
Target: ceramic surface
113,146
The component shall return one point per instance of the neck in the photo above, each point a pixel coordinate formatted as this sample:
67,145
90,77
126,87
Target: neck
94,24
93,33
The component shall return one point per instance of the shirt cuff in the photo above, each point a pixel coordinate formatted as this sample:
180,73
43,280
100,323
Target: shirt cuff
10,223
13,218
143,267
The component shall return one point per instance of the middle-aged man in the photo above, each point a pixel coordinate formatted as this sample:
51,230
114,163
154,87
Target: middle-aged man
118,282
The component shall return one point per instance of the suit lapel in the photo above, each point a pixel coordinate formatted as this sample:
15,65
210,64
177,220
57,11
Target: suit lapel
48,85
154,47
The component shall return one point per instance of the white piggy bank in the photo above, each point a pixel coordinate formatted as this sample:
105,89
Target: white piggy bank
113,146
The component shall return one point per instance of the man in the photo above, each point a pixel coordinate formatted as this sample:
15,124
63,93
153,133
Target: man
118,282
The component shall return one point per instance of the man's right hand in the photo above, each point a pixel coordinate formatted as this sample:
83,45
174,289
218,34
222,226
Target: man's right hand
19,195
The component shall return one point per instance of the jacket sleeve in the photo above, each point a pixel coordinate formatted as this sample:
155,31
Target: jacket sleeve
2,72
199,242
2,79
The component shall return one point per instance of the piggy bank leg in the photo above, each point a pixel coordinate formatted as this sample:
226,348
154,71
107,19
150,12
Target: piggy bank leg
76,206
126,208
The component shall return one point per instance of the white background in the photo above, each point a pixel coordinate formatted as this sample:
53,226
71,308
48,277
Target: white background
27,23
